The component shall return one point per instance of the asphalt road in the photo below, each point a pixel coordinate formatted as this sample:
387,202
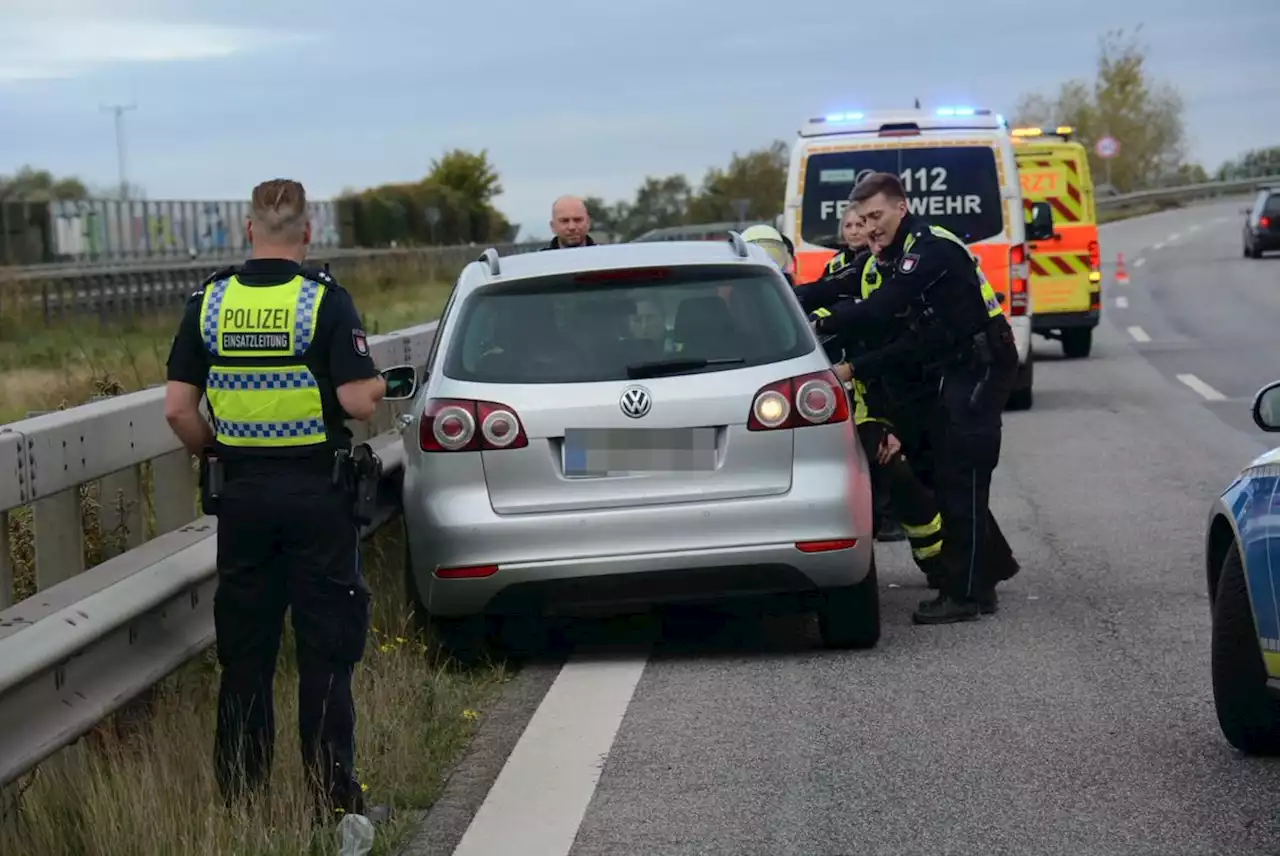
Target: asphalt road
1077,721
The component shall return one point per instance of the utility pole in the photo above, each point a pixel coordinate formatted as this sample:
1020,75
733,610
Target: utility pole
118,110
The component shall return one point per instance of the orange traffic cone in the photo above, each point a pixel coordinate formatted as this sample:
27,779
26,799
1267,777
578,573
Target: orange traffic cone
1122,275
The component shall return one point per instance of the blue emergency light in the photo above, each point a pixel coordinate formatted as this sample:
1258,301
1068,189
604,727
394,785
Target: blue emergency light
956,111
845,117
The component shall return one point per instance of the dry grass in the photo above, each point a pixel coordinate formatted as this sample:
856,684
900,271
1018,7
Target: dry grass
147,788
44,368
152,791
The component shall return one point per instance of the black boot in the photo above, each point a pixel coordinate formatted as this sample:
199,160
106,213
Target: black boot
945,609
890,531
988,601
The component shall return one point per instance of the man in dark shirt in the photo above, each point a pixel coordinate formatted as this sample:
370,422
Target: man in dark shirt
946,313
571,223
280,353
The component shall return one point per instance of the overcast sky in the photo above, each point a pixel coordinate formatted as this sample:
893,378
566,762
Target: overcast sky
569,97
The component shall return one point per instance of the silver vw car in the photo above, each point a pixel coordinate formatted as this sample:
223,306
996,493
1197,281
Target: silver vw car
627,425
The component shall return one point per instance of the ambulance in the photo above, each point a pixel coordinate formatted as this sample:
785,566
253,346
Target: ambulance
1066,276
958,169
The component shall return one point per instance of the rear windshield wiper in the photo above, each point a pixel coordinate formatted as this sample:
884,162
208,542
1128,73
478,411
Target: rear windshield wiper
658,368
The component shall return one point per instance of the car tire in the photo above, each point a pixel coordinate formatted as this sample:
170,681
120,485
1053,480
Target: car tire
1022,397
525,636
1254,252
1248,714
1076,344
464,639
849,617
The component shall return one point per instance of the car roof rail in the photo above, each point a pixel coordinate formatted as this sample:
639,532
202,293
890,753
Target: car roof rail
491,259
739,245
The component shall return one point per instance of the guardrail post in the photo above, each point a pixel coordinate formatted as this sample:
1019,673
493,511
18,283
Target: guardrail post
6,563
59,538
175,484
120,511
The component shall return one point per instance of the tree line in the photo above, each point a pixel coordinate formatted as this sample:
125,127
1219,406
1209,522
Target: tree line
454,203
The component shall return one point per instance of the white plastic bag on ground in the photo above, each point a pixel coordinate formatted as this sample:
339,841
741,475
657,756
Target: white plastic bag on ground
355,835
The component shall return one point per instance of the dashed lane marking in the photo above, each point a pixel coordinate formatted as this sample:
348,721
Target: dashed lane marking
1206,392
1139,335
1139,262
1122,303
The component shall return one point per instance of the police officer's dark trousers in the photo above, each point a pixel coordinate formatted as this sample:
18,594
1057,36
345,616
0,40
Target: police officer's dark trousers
287,539
972,403
922,434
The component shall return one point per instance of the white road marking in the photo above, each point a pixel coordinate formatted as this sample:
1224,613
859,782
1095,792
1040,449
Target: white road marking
539,799
1173,238
1139,335
1139,262
1122,303
1206,392
1159,246
1195,227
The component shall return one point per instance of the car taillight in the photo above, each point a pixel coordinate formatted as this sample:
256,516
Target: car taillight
1264,222
462,425
1019,272
797,402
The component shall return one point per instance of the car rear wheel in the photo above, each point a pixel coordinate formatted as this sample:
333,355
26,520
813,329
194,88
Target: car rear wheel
1021,398
1076,344
1248,714
849,617
465,639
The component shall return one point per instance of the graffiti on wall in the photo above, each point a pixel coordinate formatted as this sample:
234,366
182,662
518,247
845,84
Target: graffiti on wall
110,229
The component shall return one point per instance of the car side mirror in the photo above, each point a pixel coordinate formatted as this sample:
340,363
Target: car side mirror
1040,222
1266,407
402,383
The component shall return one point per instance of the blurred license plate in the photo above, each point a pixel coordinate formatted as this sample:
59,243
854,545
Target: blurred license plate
622,451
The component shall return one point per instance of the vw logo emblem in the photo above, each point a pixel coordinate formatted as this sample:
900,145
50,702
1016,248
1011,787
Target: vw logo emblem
635,401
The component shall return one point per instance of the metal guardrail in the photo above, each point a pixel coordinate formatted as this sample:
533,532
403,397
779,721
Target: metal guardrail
90,640
1186,192
58,292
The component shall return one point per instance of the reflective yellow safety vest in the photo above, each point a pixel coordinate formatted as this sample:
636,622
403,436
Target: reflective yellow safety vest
989,298
261,393
862,413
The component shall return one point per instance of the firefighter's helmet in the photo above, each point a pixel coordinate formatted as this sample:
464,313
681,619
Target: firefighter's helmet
774,243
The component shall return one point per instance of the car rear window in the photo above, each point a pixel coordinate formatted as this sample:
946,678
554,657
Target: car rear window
1272,206
956,187
623,325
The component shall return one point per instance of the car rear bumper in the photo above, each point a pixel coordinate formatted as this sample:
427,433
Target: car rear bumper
1044,322
680,551
1021,326
1264,241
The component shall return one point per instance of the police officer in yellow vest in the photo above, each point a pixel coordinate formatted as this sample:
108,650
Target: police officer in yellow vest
280,353
944,310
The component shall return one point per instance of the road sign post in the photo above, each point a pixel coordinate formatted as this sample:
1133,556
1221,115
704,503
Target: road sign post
1107,148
